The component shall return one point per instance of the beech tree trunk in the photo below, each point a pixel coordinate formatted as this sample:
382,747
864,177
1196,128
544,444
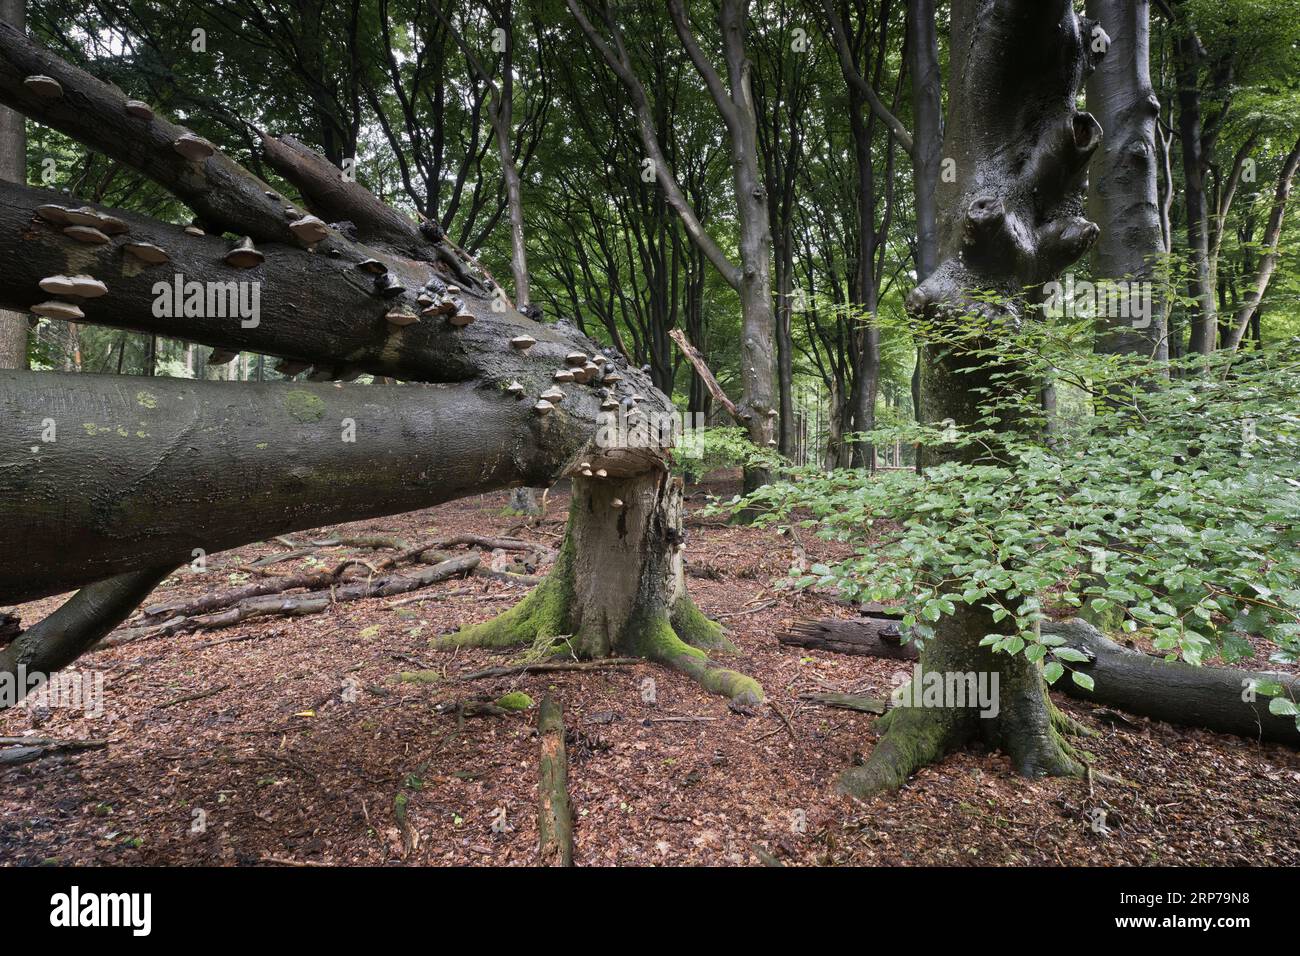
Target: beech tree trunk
1123,197
1011,221
1205,321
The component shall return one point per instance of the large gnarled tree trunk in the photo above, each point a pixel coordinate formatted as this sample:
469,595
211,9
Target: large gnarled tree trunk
108,482
1011,222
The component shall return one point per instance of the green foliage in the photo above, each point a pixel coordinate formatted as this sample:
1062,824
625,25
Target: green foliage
1174,503
709,449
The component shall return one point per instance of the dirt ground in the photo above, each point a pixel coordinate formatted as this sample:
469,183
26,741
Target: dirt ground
299,744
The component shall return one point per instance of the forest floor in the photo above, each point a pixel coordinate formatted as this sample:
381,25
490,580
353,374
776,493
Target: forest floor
252,751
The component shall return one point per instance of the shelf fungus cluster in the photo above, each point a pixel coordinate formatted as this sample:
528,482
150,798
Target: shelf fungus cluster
82,218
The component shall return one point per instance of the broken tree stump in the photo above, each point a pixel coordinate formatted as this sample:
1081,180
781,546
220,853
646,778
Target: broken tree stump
554,820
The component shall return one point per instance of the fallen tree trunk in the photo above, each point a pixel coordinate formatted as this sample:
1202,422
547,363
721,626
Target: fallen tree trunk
144,473
1216,698
554,821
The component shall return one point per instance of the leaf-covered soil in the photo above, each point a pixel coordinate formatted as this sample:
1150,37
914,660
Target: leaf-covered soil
301,744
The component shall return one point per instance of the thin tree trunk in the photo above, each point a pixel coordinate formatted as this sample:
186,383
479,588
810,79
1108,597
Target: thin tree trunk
1201,281
1124,197
13,168
1267,262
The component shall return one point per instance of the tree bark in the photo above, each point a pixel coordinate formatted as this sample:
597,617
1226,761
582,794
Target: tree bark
1267,262
1011,221
554,819
1123,198
13,168
1201,281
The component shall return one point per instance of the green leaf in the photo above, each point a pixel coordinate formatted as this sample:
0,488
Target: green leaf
1082,679
1052,672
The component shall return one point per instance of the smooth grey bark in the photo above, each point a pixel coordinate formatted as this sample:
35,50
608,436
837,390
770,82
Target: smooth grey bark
100,475
1220,698
1123,198
1205,320
501,117
1010,222
13,168
927,136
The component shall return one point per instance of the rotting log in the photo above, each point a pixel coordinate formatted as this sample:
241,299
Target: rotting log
554,819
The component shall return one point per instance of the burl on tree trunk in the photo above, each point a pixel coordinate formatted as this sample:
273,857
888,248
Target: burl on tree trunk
108,483
1010,220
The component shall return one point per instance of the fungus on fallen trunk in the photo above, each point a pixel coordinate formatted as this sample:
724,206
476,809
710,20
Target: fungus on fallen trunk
240,463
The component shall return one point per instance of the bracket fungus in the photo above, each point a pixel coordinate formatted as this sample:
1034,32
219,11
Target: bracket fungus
46,87
194,148
401,317
86,234
543,407
244,255
387,285
309,229
147,252
54,309
81,286
523,342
